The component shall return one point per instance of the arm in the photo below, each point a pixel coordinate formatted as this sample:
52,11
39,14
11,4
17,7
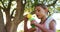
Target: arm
52,27
26,29
25,26
32,29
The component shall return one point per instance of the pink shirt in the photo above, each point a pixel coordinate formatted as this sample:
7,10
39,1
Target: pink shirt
46,24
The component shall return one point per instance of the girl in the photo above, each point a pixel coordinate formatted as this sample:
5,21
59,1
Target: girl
46,24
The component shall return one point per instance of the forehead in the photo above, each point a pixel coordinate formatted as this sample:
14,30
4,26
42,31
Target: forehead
38,8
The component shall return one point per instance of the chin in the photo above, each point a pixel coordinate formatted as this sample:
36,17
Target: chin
39,17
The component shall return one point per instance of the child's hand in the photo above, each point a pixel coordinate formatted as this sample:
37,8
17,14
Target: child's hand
33,22
25,18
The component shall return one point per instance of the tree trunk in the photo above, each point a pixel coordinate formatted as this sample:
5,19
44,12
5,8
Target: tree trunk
8,20
11,26
2,28
18,16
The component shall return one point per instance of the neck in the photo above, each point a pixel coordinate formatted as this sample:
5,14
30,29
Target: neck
43,19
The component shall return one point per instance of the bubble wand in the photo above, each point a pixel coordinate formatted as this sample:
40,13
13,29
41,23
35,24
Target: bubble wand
29,16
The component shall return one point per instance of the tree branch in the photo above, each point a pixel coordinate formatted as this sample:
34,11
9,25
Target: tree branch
9,4
3,4
19,12
12,13
1,7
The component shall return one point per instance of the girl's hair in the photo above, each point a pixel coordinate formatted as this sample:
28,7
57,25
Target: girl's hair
41,5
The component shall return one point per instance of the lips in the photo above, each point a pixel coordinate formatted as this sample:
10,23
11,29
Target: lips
37,15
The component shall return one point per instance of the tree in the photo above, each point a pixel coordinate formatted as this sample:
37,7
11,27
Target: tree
11,26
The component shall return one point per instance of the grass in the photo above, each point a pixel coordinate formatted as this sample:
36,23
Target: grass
58,31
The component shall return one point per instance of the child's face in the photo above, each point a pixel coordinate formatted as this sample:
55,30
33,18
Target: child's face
40,12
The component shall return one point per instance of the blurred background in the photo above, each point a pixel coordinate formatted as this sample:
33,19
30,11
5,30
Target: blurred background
12,13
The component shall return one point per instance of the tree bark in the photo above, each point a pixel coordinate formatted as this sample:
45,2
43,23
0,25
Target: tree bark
8,19
2,28
12,27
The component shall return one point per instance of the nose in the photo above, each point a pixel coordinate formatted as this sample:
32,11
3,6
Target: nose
36,12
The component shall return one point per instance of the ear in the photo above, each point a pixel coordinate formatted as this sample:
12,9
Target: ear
46,10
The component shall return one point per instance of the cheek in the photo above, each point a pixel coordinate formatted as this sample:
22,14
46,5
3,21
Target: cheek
41,14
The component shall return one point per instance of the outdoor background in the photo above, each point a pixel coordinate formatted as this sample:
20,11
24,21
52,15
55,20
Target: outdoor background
12,13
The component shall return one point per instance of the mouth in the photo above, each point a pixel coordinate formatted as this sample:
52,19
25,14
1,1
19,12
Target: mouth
37,15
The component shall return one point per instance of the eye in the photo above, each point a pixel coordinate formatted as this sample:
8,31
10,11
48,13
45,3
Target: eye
38,10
